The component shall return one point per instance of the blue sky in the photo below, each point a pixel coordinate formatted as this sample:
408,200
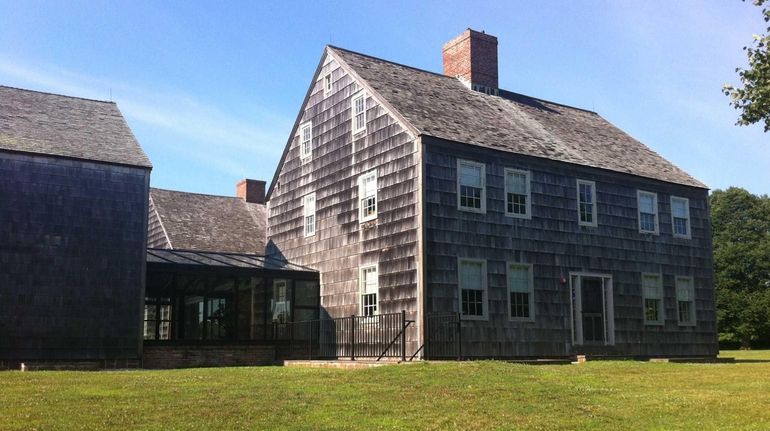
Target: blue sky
211,89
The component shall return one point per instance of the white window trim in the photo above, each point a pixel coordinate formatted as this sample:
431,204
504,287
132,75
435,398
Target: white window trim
327,90
662,315
361,281
528,215
302,155
687,208
361,218
484,289
360,94
639,194
692,286
531,317
483,209
594,212
306,213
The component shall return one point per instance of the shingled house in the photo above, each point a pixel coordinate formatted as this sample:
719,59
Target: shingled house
73,223
546,229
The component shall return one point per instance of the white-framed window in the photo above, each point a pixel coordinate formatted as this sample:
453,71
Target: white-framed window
308,211
472,276
327,83
306,140
652,291
521,292
586,197
358,112
685,300
680,217
367,196
517,193
648,211
471,190
369,285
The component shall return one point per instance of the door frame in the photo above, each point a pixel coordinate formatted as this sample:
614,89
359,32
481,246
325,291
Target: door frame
575,308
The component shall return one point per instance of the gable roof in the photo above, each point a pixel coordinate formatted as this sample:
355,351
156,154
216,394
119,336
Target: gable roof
441,106
192,221
51,124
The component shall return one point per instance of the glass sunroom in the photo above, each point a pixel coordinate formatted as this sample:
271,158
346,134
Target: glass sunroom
210,297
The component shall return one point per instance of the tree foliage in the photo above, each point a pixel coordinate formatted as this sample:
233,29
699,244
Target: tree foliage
741,232
753,99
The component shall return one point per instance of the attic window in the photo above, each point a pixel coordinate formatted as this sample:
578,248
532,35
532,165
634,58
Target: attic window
306,140
358,108
327,84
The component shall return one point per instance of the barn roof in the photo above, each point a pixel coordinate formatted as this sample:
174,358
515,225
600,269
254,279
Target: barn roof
192,221
441,106
51,124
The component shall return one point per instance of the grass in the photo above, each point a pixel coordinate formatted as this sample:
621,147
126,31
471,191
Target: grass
471,395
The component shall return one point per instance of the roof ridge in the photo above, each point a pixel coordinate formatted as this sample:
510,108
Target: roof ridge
450,77
194,193
57,94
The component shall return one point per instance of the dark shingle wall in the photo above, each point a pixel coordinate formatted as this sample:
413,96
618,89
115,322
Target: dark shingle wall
554,243
72,253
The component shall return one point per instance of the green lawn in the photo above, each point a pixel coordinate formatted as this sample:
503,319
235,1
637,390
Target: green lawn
470,395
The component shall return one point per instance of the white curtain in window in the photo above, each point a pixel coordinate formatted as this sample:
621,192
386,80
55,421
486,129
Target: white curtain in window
684,290
647,204
368,185
470,275
470,176
518,279
679,208
651,284
370,280
516,182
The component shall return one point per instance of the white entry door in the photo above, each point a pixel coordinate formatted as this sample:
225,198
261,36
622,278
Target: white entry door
592,310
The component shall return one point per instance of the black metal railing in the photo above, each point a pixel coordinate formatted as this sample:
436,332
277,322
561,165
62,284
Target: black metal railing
379,336
443,336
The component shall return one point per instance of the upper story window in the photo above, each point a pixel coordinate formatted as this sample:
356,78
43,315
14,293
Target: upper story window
680,216
685,300
358,108
369,281
471,193
367,196
652,291
472,275
308,210
521,298
517,193
306,140
586,194
648,212
327,83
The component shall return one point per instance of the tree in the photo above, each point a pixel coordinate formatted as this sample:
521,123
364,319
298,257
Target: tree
741,233
753,99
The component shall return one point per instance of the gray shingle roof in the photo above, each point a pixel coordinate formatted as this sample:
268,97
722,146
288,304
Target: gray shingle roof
194,221
52,124
441,106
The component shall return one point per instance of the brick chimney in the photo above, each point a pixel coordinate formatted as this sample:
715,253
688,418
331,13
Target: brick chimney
472,57
252,191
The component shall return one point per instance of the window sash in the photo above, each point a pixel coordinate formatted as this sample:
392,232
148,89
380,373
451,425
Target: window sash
369,280
309,213
470,175
652,291
367,192
306,140
472,279
517,193
648,212
470,186
680,216
359,113
586,195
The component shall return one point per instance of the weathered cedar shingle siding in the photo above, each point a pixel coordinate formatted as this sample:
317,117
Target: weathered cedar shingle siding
340,245
556,245
73,235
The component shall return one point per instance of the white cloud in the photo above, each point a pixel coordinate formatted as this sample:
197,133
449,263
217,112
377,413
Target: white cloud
198,131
